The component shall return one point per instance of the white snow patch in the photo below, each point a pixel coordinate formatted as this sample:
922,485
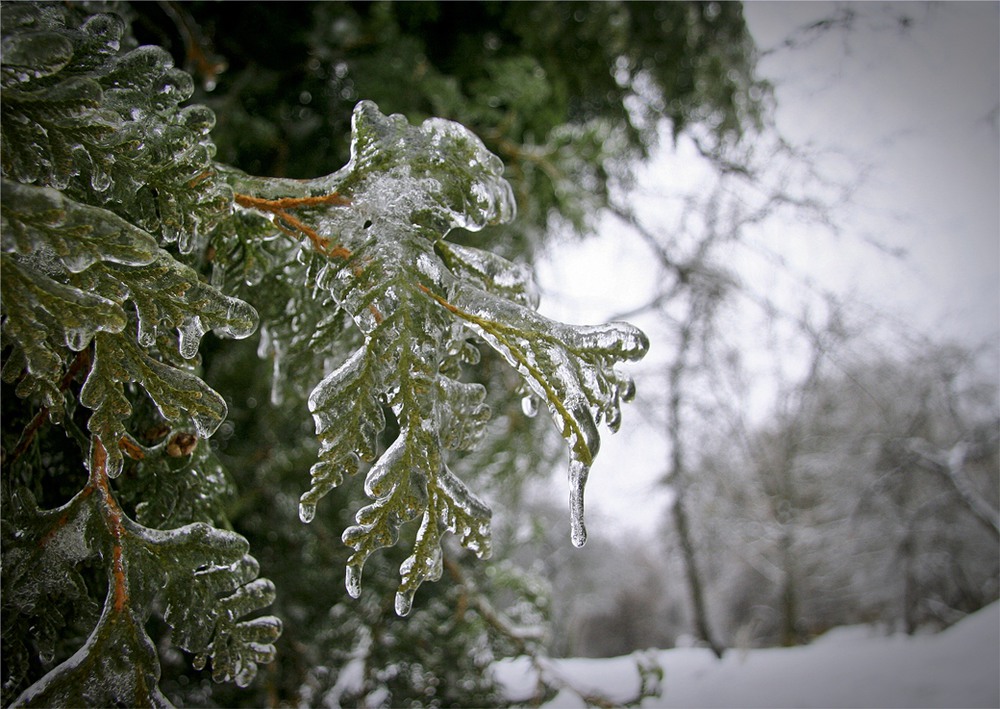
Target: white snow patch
850,667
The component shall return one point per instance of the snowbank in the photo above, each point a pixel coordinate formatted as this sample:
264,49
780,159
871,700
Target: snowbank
849,667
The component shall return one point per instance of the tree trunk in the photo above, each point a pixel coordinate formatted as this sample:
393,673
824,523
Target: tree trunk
702,629
791,633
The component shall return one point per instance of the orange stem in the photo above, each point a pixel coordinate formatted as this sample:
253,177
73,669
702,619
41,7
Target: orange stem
290,224
113,520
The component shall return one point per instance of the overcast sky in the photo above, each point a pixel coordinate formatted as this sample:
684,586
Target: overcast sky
921,105
913,107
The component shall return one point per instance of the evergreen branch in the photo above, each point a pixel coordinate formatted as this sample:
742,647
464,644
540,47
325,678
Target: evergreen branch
407,187
207,581
111,195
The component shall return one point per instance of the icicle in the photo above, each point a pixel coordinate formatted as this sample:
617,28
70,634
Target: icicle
353,581
578,472
253,271
217,278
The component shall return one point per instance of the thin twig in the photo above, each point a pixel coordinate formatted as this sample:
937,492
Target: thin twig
290,224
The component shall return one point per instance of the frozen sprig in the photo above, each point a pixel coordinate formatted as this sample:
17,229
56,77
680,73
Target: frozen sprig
375,234
108,189
202,575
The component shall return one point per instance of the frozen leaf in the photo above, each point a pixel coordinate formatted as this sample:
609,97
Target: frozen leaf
117,666
106,126
47,241
43,589
70,271
169,486
76,235
348,420
100,165
118,360
212,586
44,315
206,580
170,296
240,644
570,368
372,235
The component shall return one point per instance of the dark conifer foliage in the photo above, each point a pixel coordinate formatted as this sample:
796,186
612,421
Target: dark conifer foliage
253,249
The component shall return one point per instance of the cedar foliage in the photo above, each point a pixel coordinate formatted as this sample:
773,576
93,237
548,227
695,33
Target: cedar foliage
126,239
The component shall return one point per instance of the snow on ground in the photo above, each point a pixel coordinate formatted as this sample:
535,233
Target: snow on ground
848,667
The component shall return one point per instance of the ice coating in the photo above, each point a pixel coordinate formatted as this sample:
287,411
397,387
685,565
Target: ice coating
99,179
578,473
112,668
437,174
467,515
34,55
331,385
490,272
383,478
77,235
621,339
146,331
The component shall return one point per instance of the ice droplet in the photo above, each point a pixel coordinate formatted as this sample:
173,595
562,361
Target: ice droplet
578,472
353,581
529,405
241,320
190,333
614,419
146,334
77,338
307,511
186,238
100,180
404,603
199,118
628,389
